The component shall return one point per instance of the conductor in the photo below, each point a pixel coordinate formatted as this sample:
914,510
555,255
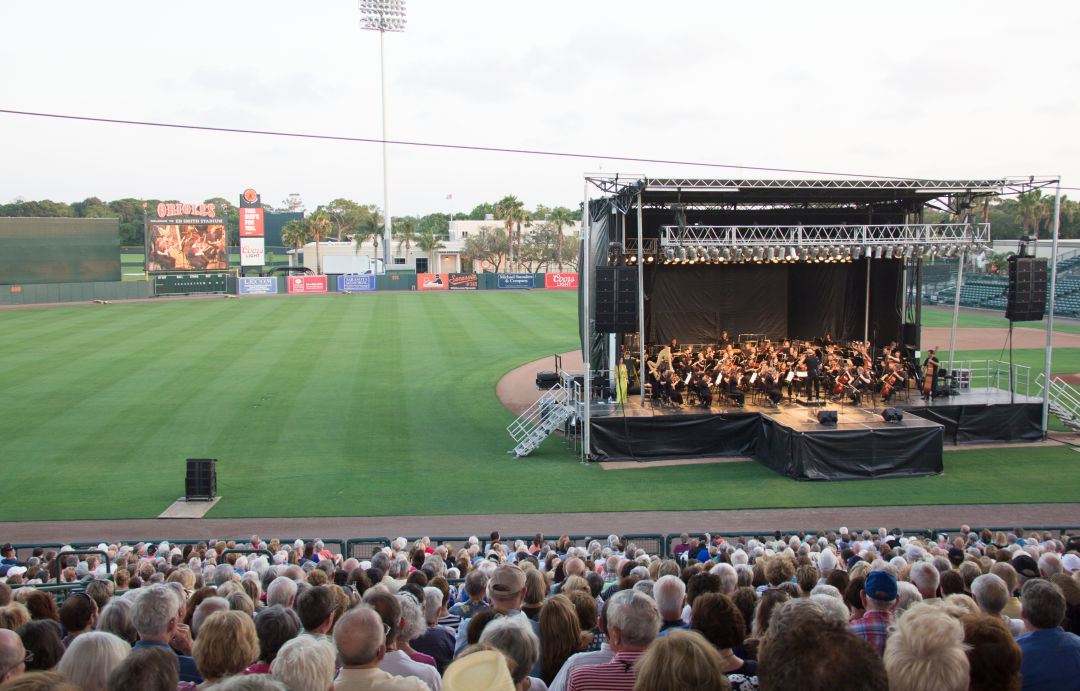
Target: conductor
813,382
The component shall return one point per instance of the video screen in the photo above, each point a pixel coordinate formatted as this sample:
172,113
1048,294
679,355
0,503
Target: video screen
187,248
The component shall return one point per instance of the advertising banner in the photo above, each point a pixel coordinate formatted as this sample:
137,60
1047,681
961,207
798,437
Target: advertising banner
258,285
251,223
463,281
561,281
251,252
515,281
355,283
432,281
307,284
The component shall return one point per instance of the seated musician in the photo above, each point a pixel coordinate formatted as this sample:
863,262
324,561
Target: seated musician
861,383
735,393
771,384
671,388
892,381
700,384
724,340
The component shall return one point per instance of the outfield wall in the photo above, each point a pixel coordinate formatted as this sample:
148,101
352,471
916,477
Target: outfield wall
33,294
47,250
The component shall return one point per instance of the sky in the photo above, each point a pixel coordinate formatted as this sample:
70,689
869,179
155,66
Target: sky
915,89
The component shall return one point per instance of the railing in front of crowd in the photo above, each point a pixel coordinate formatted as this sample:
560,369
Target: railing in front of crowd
659,544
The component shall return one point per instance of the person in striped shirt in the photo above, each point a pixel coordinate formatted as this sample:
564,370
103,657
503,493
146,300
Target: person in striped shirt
633,622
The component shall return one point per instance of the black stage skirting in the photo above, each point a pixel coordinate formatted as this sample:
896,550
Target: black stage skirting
633,438
850,454
976,424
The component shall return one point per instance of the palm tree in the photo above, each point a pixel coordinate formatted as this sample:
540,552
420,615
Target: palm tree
430,240
319,222
295,235
560,216
512,212
1029,205
370,226
404,229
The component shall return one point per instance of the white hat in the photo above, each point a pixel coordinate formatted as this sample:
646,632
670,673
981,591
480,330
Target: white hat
16,571
485,670
1070,562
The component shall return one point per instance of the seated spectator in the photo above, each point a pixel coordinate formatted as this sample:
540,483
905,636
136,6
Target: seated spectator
678,661
991,595
42,640
306,663
535,591
91,658
395,661
480,668
717,618
670,596
275,626
156,618
116,619
560,635
595,657
820,657
40,681
993,654
436,641
413,623
926,651
475,587
515,639
78,615
207,607
633,622
1051,656
360,641
316,607
226,645
13,656
878,599
145,669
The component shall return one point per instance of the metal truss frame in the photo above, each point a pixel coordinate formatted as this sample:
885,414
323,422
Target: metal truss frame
917,234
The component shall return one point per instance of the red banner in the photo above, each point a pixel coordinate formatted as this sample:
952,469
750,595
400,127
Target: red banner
432,281
251,223
561,281
307,284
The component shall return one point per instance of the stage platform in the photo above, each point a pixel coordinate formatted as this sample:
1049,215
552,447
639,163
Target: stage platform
790,440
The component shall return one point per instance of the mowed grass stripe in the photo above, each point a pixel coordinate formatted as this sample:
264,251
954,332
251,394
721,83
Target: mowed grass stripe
379,405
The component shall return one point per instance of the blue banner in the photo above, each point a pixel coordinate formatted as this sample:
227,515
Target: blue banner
355,283
515,281
261,285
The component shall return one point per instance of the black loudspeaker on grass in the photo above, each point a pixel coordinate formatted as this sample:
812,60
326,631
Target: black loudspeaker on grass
200,483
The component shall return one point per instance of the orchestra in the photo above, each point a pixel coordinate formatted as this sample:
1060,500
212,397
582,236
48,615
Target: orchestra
731,372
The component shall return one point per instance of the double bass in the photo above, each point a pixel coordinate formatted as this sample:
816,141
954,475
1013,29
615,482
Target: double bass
928,373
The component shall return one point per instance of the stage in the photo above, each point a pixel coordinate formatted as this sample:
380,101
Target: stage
790,440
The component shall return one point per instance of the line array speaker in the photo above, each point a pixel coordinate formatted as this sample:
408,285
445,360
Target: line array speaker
616,299
1027,289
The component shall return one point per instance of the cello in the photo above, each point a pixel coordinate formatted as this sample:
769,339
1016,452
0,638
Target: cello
929,367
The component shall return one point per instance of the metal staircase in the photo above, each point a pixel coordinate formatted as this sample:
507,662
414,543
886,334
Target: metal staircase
1064,401
541,419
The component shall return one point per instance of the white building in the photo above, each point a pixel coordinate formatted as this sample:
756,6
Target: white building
447,258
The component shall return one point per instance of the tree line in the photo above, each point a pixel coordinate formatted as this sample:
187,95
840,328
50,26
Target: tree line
502,245
1029,213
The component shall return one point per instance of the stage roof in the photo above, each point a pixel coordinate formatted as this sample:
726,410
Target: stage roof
693,191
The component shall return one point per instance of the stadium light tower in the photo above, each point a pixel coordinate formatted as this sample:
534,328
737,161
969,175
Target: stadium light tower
383,16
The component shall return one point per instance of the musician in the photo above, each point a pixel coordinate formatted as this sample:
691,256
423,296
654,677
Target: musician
892,381
931,365
622,380
724,340
700,384
671,388
861,383
734,386
812,360
771,384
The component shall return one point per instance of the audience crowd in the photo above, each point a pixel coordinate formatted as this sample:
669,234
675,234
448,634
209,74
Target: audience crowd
838,610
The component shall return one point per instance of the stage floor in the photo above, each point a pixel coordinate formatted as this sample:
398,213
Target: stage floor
794,411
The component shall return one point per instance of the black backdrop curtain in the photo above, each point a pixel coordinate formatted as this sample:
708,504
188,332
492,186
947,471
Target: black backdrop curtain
695,303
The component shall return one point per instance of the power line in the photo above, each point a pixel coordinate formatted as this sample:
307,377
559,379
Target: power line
436,145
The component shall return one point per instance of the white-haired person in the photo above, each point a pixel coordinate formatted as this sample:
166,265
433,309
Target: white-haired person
514,638
91,657
927,651
991,594
305,663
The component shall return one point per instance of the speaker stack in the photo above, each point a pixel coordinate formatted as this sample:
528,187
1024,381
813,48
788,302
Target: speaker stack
1027,289
200,483
616,299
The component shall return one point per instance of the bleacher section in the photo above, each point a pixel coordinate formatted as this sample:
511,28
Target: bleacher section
990,292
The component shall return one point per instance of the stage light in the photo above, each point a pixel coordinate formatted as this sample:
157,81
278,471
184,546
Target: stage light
888,252
803,253
701,253
877,252
682,254
791,254
649,259
669,254
772,254
714,253
855,251
727,254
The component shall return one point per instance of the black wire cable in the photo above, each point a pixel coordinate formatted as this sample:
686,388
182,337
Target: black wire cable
437,145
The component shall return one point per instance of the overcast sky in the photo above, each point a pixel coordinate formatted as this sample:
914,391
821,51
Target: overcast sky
919,89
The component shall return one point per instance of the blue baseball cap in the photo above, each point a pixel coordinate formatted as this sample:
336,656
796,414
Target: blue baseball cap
880,585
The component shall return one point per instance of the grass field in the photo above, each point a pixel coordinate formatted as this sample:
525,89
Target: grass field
380,404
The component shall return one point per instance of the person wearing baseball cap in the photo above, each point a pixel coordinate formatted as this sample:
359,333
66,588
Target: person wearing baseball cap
506,592
879,599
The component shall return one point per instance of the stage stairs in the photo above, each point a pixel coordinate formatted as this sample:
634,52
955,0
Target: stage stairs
541,419
1064,401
